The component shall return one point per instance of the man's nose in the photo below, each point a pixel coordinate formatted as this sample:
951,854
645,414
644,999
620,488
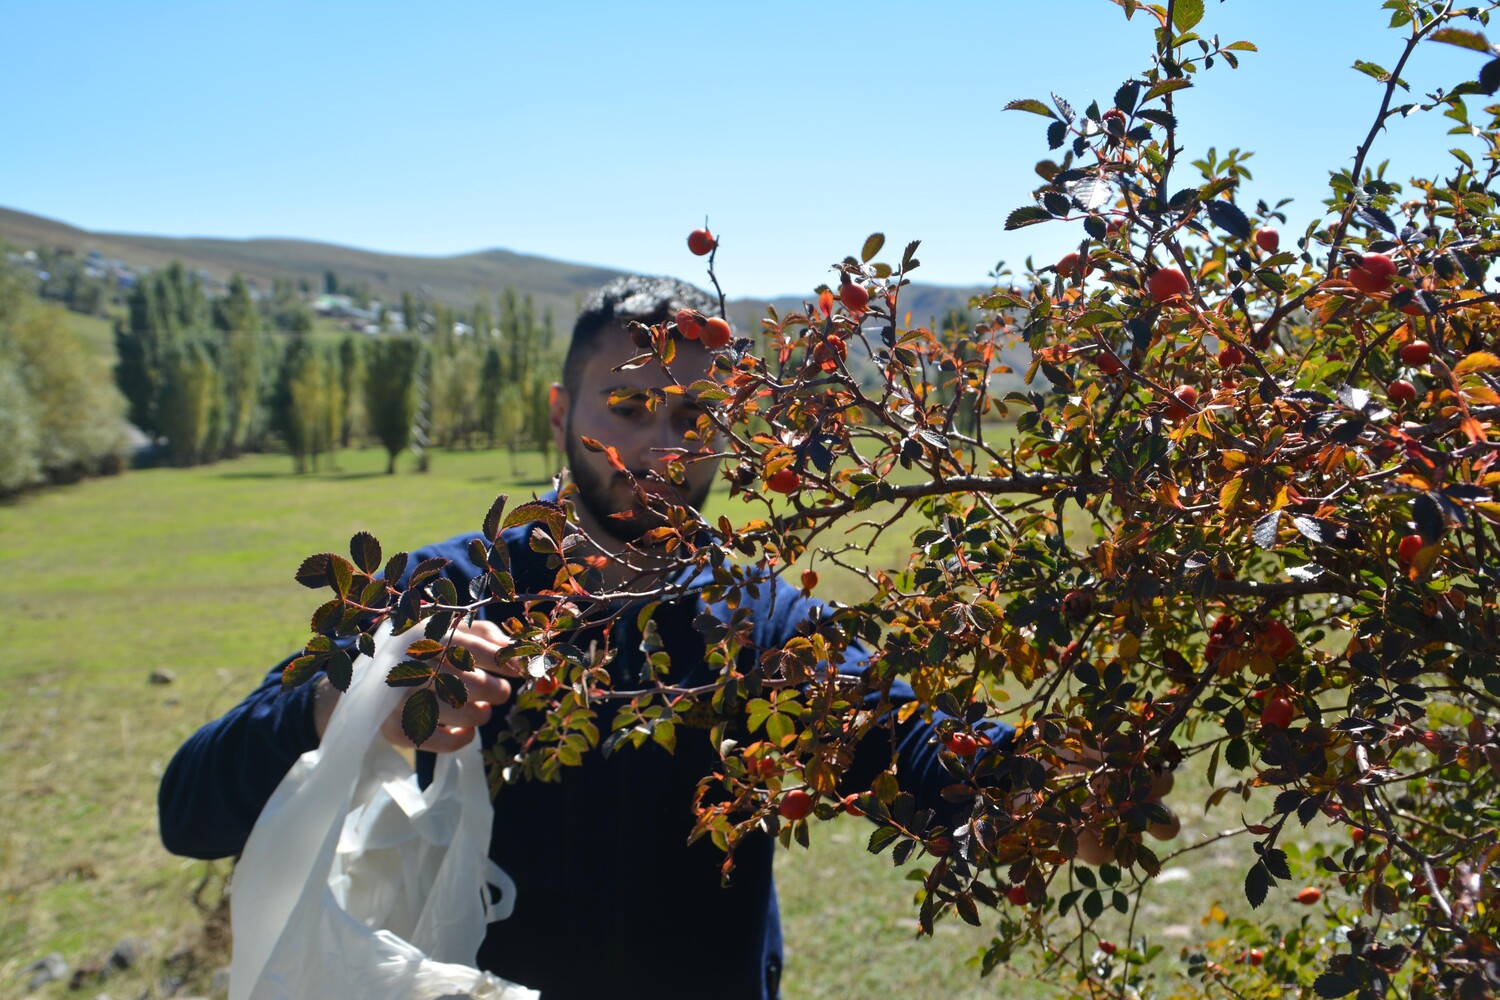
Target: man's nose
661,443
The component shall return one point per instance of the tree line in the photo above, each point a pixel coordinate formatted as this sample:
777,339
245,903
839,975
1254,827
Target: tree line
60,418
212,377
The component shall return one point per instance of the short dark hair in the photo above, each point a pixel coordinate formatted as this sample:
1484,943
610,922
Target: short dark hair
642,298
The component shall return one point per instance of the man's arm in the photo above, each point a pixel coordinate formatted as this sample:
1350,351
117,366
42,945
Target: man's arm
221,778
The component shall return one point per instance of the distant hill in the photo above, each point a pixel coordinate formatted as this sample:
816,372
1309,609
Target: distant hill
456,280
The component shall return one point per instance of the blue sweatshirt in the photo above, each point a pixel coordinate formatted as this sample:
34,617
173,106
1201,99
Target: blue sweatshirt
611,900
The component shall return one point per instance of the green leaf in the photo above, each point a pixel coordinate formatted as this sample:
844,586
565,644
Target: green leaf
1164,87
1378,72
1463,39
1331,984
1126,95
1028,216
664,735
424,649
328,616
1237,754
1030,104
1228,217
757,710
364,549
1241,46
419,716
314,571
340,669
706,391
964,903
1257,885
451,689
299,670
780,728
547,511
1489,76
492,519
883,837
409,673
872,247
1187,14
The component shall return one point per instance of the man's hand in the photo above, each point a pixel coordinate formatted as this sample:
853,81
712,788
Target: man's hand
1092,852
486,683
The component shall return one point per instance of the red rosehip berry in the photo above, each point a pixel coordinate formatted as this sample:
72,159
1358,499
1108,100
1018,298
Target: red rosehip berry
1278,713
1373,274
855,297
689,323
1416,354
716,334
701,242
1167,285
785,481
795,804
963,744
1180,406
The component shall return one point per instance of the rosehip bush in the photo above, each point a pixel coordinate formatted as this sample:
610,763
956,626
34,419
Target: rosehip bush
1281,452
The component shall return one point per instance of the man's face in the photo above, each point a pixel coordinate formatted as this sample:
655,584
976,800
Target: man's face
642,435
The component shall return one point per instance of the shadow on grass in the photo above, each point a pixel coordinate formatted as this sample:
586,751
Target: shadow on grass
310,476
497,478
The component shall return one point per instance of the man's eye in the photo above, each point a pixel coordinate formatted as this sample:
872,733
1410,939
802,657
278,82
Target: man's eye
625,411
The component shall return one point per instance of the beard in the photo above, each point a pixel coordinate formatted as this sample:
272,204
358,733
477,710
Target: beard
597,492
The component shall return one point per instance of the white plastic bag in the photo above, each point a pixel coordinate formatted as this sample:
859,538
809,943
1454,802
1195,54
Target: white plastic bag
356,883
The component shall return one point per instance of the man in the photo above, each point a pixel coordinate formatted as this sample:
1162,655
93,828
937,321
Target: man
611,900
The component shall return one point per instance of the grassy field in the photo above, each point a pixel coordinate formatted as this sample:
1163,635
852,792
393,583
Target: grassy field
190,571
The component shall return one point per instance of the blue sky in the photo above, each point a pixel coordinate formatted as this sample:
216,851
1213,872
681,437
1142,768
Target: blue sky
603,132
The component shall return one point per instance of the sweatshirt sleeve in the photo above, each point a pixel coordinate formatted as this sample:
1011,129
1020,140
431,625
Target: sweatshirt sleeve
221,778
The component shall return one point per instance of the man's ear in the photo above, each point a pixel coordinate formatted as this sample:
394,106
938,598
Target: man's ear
558,402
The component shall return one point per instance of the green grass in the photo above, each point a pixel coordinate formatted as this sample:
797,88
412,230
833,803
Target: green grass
96,332
190,570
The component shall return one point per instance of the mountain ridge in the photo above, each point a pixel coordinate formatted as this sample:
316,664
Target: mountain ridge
456,280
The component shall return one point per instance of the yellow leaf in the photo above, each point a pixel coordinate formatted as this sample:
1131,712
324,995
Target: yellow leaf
1479,361
1233,459
1229,496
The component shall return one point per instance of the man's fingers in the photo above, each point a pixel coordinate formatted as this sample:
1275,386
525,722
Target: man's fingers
485,687
487,642
444,739
487,630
